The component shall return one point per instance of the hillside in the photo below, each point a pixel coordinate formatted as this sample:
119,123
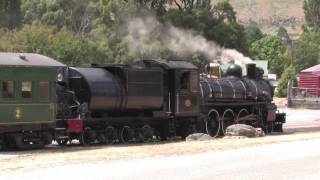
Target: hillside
271,14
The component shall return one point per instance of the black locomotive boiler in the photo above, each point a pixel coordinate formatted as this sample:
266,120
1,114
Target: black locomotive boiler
236,99
158,98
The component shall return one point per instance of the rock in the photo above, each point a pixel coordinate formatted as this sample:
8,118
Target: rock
243,130
198,137
259,132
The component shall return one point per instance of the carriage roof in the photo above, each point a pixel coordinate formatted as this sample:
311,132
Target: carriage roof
27,59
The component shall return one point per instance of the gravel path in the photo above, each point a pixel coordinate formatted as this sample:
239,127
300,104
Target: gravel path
294,160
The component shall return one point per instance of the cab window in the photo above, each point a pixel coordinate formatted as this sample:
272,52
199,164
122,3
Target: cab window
185,81
44,89
26,89
189,81
7,89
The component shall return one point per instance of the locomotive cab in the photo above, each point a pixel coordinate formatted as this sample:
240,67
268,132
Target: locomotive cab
181,86
186,92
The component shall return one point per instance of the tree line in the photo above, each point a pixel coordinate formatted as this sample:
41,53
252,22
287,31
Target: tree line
91,31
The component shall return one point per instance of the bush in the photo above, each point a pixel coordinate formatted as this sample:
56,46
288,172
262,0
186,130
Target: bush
288,74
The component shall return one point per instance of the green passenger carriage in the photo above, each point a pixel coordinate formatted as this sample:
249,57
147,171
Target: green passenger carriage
27,99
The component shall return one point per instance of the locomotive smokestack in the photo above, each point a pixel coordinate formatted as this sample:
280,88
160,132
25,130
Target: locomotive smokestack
251,71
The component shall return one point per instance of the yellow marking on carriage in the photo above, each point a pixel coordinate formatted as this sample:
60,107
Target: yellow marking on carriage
18,113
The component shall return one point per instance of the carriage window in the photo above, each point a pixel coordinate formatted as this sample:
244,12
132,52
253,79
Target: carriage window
44,89
26,89
7,89
185,81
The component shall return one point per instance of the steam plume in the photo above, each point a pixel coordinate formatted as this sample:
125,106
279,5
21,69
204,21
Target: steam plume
147,38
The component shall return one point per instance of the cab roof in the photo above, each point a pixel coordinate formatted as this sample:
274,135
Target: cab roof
167,64
27,59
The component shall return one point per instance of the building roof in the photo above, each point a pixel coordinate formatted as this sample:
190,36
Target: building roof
313,69
27,59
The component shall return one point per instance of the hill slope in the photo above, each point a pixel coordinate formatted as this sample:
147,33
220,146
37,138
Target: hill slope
271,14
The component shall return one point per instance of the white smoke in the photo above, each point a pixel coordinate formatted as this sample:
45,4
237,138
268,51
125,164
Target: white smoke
147,37
232,55
141,37
186,42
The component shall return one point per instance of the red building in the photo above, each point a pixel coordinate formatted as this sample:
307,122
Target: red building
309,80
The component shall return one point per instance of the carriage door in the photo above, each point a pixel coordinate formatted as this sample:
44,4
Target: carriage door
187,93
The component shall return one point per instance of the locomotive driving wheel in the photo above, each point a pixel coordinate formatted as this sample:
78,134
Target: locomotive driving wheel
87,136
227,119
126,134
242,113
109,135
213,123
147,133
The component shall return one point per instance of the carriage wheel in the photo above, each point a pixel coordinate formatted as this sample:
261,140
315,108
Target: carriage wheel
213,123
227,119
21,144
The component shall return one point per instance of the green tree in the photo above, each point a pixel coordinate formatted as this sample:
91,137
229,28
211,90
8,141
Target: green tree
10,14
158,6
216,23
306,54
76,15
271,48
288,74
225,12
283,34
109,31
252,34
312,13
64,45
184,4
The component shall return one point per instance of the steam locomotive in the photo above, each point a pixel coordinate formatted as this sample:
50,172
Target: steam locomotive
43,100
159,98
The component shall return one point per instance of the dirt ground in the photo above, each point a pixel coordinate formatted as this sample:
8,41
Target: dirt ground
280,102
55,155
